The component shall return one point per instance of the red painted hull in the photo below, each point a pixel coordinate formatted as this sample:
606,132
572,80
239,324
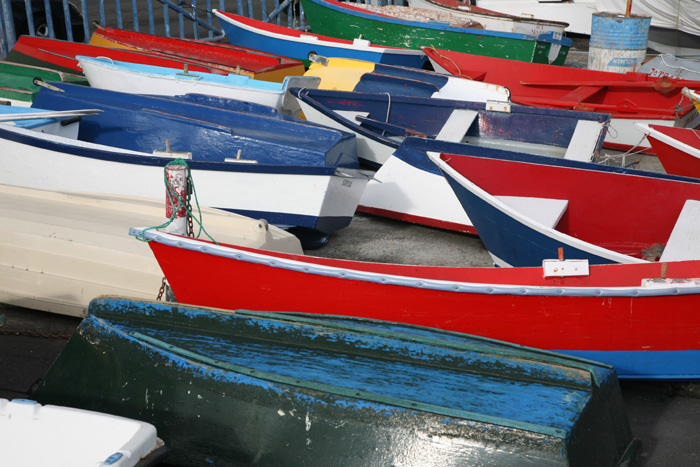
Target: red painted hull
556,322
226,55
681,154
624,95
60,55
625,222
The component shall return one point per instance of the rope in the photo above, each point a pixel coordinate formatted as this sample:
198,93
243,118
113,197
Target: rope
459,71
181,202
388,111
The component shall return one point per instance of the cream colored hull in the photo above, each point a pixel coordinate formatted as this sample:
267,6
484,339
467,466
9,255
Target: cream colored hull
60,250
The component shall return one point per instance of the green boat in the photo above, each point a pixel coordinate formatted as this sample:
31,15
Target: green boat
347,21
17,86
286,389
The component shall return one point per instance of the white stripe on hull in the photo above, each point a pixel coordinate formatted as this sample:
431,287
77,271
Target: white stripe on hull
311,195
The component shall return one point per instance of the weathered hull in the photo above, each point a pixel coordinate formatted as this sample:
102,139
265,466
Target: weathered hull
60,55
250,388
342,74
599,232
59,250
678,149
492,20
154,80
256,64
606,315
628,97
17,82
302,46
340,20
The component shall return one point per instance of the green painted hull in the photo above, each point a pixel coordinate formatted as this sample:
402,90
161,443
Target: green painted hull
17,81
345,25
253,388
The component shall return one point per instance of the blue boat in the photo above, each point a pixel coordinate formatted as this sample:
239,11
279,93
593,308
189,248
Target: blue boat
296,175
245,387
382,120
530,209
304,46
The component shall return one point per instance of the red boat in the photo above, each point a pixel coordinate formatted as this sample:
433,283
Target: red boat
678,149
628,97
642,318
259,65
60,55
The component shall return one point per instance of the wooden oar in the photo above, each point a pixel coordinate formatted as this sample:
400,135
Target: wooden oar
50,114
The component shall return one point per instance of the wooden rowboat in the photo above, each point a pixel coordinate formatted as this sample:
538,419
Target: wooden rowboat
17,86
678,149
564,221
628,97
348,21
492,20
292,173
253,63
302,45
320,390
60,55
59,250
105,73
615,314
346,74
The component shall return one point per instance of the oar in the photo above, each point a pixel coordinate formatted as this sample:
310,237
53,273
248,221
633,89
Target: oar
54,114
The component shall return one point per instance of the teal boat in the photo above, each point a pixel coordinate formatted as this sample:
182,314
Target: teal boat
277,389
398,26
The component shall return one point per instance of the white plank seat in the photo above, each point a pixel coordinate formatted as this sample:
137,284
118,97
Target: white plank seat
455,128
684,241
546,211
584,141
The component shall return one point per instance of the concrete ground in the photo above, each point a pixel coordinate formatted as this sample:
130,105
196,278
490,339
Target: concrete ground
664,415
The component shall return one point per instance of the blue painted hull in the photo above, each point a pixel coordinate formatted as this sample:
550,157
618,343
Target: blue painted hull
303,51
239,388
290,156
477,177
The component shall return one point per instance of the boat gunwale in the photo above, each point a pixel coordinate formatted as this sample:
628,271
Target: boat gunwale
353,271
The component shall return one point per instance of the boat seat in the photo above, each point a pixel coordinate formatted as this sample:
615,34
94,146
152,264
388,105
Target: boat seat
684,241
457,125
546,211
582,93
584,141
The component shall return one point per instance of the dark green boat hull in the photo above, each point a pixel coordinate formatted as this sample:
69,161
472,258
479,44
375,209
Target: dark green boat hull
333,23
213,412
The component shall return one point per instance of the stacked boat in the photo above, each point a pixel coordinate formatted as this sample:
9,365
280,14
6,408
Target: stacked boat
272,356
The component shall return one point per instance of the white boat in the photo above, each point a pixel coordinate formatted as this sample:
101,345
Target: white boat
36,435
105,73
491,20
59,250
577,13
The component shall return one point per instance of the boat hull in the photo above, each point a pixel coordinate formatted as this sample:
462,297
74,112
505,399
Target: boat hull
303,46
678,149
622,324
314,398
253,63
628,97
313,198
336,19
